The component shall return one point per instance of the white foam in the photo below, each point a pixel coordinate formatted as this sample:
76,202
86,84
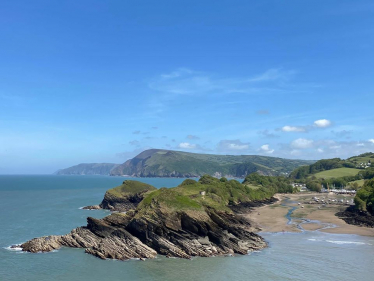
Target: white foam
13,249
339,242
345,242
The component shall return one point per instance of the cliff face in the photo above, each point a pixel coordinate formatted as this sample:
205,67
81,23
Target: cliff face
179,222
168,163
88,169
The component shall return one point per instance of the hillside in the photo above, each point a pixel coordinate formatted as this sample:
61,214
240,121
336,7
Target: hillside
362,161
88,169
168,163
337,173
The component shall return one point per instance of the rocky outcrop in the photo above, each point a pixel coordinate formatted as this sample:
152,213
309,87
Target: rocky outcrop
178,222
121,204
246,207
124,197
181,234
92,207
353,216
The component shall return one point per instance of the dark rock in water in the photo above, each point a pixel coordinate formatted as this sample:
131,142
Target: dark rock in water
93,207
353,216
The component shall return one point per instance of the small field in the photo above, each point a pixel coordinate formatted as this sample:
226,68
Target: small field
336,173
359,182
253,186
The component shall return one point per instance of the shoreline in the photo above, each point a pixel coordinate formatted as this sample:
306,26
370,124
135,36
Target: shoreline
286,215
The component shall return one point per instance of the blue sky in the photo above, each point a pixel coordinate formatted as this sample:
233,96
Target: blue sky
100,81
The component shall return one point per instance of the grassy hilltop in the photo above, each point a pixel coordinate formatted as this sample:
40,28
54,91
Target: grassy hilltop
168,163
207,192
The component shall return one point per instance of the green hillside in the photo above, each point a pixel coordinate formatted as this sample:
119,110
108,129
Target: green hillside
168,163
362,161
88,169
337,173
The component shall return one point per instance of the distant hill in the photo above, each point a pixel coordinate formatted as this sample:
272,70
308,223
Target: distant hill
169,163
88,169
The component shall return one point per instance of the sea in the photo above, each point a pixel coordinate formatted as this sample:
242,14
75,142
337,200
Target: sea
38,205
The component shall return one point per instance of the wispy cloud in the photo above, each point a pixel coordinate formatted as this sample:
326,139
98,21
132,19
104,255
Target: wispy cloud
267,134
232,146
294,129
134,142
342,133
302,143
181,82
274,74
188,82
187,145
192,137
318,124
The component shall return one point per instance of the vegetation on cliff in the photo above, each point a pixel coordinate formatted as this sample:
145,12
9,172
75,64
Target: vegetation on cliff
362,213
195,218
364,199
126,196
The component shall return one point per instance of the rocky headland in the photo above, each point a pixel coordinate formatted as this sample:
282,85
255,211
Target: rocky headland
193,219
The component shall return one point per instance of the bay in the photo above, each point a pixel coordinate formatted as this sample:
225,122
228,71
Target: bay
33,206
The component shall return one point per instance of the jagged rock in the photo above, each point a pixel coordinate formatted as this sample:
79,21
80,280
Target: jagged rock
93,207
353,216
165,222
126,196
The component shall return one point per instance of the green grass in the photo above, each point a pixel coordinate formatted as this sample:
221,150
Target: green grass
130,187
187,196
170,199
253,186
336,173
359,182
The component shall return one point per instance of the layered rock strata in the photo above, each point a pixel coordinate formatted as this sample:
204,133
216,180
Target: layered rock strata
164,221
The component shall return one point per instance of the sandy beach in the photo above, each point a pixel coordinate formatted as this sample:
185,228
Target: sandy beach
305,216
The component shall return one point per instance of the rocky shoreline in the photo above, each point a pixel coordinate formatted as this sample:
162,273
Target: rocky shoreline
154,228
122,236
355,217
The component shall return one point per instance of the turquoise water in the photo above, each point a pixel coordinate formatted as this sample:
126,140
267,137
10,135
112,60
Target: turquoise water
32,206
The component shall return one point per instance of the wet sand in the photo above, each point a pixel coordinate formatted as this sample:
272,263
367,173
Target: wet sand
272,218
